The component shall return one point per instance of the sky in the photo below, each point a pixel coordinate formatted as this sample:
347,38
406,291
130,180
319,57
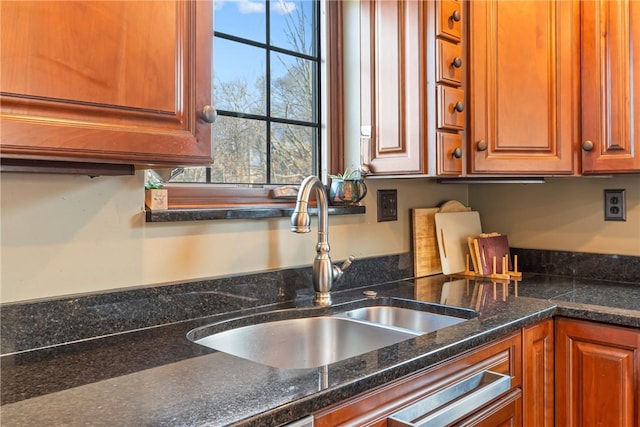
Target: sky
247,19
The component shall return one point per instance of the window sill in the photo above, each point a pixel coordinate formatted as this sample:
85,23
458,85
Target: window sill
254,212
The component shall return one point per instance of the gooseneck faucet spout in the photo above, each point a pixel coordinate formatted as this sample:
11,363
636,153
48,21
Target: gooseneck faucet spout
324,273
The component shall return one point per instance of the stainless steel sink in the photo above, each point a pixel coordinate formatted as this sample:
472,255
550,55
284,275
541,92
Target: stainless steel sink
304,343
415,320
313,341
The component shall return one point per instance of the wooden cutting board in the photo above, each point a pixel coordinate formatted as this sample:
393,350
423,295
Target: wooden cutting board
452,230
425,244
453,206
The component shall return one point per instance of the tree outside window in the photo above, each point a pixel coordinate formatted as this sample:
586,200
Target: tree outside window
266,85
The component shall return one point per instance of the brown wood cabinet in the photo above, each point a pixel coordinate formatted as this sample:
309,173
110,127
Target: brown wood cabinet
119,82
610,86
538,375
412,104
597,374
374,408
392,86
524,60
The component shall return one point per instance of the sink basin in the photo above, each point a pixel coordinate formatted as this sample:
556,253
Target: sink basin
405,318
304,343
308,342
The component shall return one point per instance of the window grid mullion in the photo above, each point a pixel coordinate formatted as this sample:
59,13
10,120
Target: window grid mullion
268,90
264,46
241,115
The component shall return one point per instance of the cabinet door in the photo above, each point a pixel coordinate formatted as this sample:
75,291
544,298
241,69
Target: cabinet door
392,100
523,85
610,86
597,374
106,82
537,375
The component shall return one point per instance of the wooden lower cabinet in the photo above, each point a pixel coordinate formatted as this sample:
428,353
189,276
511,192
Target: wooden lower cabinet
597,374
373,408
538,375
564,373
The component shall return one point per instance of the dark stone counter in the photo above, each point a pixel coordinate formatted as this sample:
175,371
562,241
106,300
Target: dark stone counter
154,375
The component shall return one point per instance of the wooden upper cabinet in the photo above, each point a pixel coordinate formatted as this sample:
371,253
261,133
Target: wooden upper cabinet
393,112
523,85
610,86
119,82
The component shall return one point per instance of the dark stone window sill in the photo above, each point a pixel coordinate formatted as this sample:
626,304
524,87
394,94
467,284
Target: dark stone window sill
205,214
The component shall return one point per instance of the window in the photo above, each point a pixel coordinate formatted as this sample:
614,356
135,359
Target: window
267,83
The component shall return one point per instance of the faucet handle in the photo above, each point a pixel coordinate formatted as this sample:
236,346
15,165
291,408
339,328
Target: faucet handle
337,271
347,263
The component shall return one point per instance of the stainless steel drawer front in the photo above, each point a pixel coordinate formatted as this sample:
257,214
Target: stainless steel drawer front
454,402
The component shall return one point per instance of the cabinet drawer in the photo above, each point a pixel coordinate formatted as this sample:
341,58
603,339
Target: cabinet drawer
448,163
449,60
453,403
450,108
449,20
505,412
373,408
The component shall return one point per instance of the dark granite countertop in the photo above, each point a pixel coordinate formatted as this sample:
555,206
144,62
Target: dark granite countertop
156,376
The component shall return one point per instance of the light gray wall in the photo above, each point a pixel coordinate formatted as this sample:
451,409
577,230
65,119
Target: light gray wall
73,234
562,214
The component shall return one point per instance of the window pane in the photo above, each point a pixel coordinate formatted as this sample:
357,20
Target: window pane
251,145
292,88
292,153
239,77
245,18
239,151
292,25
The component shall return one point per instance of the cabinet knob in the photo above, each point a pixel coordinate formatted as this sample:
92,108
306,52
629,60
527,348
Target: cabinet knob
482,145
457,153
208,114
587,145
457,62
458,106
455,16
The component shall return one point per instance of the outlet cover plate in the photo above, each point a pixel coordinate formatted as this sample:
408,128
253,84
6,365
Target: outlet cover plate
387,205
614,205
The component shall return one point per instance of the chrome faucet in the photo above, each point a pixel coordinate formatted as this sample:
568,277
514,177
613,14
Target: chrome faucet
324,273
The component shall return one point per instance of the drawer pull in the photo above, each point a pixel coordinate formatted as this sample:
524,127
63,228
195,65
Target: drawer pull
457,153
587,145
454,402
458,106
457,62
455,16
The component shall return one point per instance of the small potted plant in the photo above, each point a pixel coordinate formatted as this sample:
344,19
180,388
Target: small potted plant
155,195
347,188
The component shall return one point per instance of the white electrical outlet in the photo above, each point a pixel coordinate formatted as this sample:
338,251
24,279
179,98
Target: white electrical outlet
614,207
